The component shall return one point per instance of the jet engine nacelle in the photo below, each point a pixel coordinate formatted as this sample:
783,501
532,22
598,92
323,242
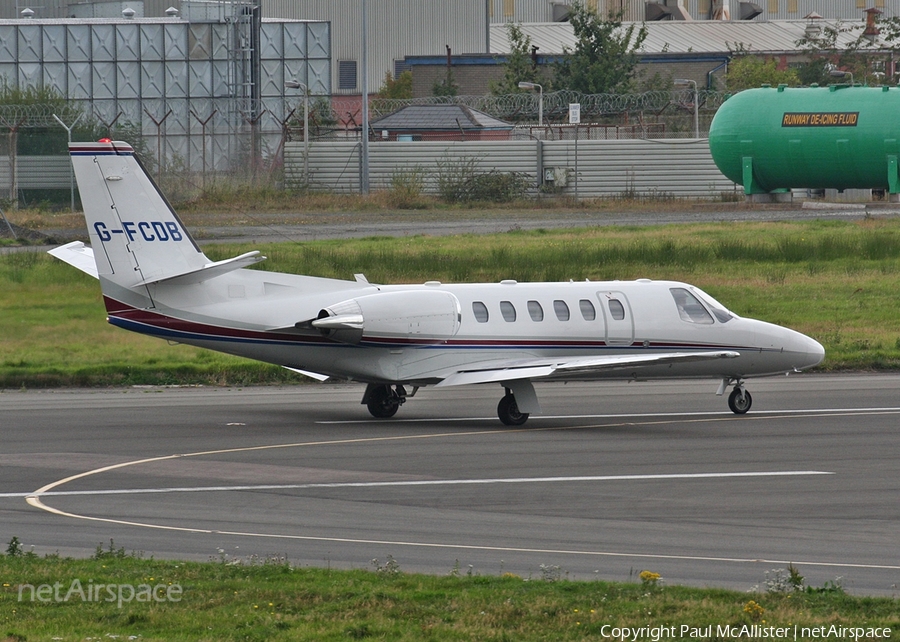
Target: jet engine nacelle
419,316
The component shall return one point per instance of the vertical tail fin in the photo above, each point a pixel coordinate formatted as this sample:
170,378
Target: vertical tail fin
136,236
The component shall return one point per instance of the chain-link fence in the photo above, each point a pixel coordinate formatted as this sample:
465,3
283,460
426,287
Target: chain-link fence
231,137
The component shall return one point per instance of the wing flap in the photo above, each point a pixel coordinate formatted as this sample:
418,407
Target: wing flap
497,372
306,373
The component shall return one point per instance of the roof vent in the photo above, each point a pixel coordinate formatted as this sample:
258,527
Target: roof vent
813,28
749,10
27,14
172,12
128,13
653,11
560,11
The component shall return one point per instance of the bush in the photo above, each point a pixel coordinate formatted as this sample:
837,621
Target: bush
460,181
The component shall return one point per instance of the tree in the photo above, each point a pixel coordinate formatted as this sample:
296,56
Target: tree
825,53
398,88
747,71
605,55
445,86
519,65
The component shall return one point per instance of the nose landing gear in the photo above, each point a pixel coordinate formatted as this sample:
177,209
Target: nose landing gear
740,400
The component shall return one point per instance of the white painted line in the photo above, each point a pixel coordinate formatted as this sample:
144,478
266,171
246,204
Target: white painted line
423,482
648,415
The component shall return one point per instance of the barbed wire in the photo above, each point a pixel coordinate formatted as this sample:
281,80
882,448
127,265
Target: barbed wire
345,112
524,106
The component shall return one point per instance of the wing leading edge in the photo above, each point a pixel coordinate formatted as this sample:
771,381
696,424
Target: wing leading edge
495,372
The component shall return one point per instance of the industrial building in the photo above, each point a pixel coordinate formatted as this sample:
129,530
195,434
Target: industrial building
209,90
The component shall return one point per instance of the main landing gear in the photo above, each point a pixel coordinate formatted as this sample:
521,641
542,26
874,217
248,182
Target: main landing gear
384,400
740,400
508,410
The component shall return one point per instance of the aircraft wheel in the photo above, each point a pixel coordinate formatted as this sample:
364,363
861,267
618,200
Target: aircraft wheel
383,402
739,403
508,411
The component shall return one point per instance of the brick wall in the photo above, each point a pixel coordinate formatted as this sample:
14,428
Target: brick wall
475,79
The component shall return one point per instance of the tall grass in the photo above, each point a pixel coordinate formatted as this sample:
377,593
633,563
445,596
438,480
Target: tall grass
271,600
835,281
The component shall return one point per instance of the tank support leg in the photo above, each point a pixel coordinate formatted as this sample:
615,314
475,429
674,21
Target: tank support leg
893,174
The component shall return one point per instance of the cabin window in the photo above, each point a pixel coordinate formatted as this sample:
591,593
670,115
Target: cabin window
480,311
689,307
616,309
561,310
536,311
587,310
508,311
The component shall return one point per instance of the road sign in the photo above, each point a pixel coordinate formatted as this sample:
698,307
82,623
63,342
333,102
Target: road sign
574,113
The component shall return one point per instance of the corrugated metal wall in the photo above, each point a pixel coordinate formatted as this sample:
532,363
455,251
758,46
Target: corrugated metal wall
396,28
798,9
335,166
682,168
526,11
37,172
605,168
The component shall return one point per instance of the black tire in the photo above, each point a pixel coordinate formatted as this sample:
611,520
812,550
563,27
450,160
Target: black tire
508,411
383,402
739,404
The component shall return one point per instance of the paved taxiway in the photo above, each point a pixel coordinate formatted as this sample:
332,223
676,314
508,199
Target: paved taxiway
613,479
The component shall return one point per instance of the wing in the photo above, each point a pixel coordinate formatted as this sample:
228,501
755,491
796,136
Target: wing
497,371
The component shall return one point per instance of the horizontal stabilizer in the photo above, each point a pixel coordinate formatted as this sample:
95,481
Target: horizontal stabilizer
210,270
580,366
78,255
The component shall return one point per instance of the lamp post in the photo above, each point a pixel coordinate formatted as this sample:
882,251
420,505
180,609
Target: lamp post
68,129
364,87
688,81
294,84
533,86
837,73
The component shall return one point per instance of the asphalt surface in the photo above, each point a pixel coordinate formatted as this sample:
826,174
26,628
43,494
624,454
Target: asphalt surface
271,228
615,478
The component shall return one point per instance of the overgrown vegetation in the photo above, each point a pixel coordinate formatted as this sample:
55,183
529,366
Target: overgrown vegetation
460,181
270,599
747,71
836,281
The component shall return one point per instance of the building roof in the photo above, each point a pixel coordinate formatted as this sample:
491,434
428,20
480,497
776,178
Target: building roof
684,36
438,117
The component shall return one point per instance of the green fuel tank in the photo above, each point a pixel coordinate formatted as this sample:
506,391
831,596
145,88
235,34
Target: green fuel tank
840,137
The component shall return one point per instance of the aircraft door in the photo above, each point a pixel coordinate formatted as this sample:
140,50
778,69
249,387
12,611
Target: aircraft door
618,316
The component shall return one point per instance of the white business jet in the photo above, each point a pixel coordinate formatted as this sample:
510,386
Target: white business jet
398,338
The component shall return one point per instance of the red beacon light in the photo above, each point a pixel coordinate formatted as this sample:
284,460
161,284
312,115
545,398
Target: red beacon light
105,140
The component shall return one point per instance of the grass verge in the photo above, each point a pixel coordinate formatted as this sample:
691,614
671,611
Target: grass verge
269,599
836,281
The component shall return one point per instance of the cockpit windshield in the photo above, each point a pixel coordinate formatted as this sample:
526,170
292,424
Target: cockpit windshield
694,306
689,307
720,311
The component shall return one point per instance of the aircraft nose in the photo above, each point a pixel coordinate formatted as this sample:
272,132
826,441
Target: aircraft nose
810,352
